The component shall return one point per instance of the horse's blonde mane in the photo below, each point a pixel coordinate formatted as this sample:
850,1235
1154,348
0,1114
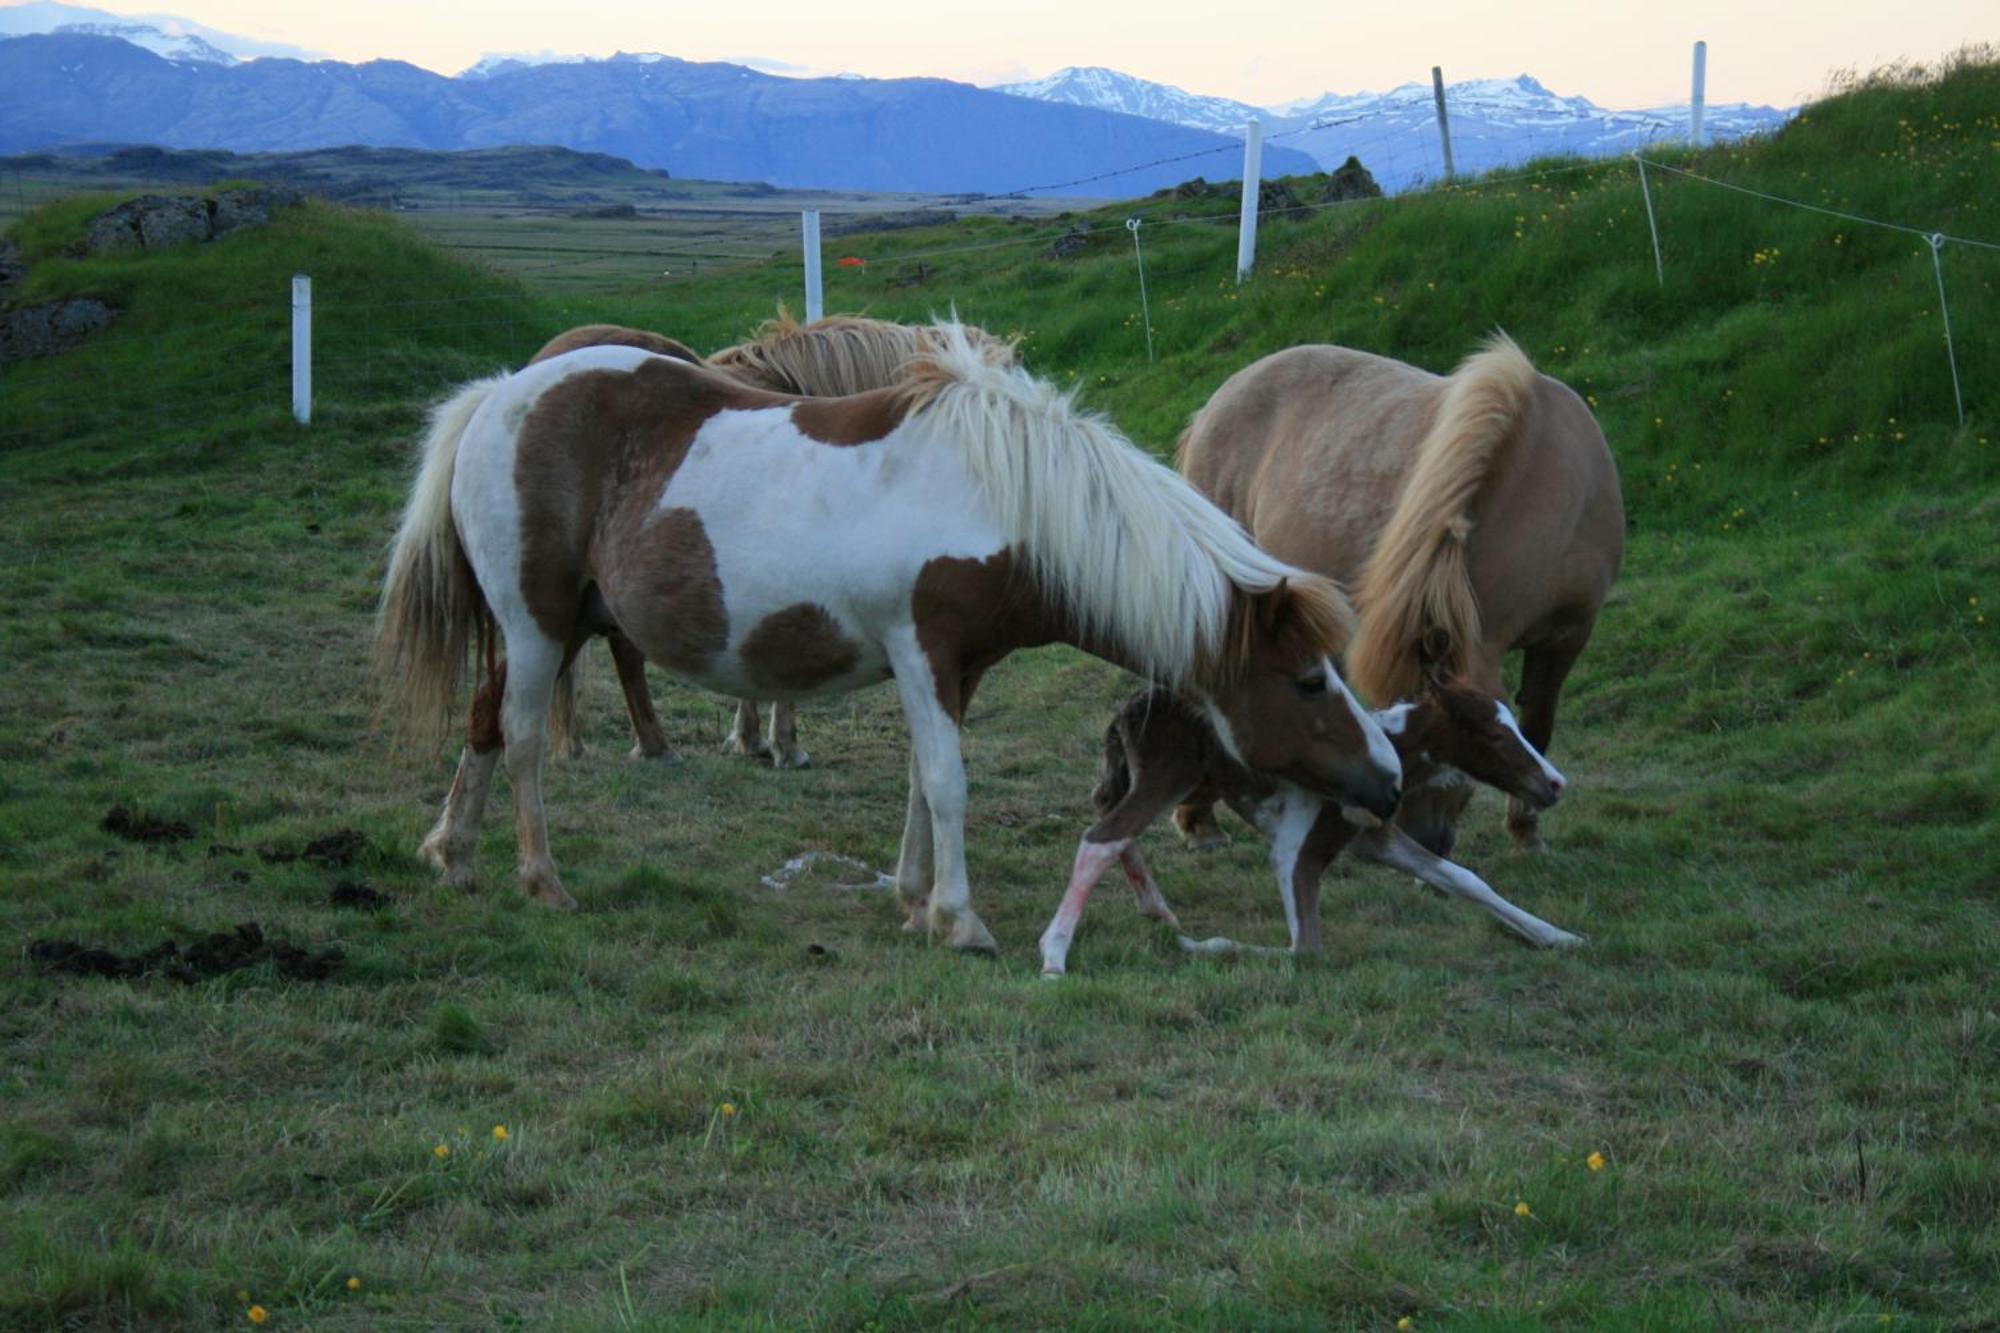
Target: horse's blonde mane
1417,605
1135,555
838,355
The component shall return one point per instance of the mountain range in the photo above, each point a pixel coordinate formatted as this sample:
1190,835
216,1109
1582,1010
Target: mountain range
74,75
1494,122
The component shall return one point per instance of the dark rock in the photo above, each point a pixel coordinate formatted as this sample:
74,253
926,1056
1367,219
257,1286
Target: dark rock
1197,188
174,221
237,209
1068,245
1350,180
1276,197
42,330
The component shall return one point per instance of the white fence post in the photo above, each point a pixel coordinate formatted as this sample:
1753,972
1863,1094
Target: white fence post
1444,121
815,299
302,348
1253,182
1700,93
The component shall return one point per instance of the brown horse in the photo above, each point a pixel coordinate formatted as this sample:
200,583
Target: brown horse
782,547
1158,752
829,358
1475,514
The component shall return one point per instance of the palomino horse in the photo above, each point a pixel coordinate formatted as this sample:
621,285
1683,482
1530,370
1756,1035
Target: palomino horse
1476,514
1158,752
829,358
784,547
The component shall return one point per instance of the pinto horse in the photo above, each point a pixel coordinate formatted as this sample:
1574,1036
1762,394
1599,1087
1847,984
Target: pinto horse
1158,752
784,547
831,357
1474,514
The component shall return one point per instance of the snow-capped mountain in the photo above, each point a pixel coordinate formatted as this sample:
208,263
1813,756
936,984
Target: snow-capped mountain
1109,90
165,35
184,47
1494,122
513,62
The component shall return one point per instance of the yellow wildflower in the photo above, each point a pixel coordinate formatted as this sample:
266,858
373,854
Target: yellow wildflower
728,1110
1595,1161
1521,1209
258,1314
354,1284
499,1133
1406,1322
441,1152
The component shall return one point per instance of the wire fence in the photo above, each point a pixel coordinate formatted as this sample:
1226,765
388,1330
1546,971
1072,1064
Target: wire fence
372,353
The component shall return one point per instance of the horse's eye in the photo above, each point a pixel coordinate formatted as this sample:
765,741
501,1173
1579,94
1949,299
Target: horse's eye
1311,685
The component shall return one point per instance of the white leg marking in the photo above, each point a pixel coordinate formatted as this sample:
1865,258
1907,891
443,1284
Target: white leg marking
1295,820
455,836
532,661
934,742
1392,847
913,863
1092,859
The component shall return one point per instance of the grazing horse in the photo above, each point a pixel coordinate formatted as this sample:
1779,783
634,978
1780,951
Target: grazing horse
1158,752
786,547
1473,514
829,358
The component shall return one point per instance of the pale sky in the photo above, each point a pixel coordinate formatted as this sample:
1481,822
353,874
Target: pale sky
1259,51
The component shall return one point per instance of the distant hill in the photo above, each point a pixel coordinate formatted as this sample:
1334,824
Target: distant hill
713,121
1494,122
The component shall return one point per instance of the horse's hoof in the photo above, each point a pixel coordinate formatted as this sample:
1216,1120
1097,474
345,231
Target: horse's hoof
543,887
1050,973
1562,939
969,935
795,758
663,754
736,745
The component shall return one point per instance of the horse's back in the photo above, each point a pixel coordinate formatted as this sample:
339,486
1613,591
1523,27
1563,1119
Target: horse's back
1308,447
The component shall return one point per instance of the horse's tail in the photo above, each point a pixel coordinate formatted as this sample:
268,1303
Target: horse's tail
1415,594
431,603
1114,774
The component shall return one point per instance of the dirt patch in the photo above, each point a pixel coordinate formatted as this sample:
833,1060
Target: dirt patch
144,828
354,893
211,956
335,850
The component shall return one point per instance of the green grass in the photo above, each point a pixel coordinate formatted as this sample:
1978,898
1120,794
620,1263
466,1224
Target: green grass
1784,748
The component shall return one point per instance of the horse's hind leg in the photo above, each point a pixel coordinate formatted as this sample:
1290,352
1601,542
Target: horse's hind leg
785,751
1198,828
1544,667
533,663
651,741
747,736
454,839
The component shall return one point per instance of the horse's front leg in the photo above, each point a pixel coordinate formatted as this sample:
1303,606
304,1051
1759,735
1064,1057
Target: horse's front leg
940,768
913,863
1390,846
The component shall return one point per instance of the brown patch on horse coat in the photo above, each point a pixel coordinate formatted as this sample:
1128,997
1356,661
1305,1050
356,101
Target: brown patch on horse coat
970,613
591,460
482,729
615,335
862,419
799,648
677,615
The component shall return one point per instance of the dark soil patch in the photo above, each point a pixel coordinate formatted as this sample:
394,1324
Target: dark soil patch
335,850
211,956
353,893
144,828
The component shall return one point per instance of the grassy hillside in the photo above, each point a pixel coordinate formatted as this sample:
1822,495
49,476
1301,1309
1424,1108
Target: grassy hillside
728,1106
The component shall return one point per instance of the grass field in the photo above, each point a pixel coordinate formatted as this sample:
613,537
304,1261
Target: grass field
728,1106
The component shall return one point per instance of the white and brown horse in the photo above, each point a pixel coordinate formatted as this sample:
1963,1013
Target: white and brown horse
931,529
828,358
1158,752
1473,514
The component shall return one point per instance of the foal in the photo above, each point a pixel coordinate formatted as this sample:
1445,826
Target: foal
1158,752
